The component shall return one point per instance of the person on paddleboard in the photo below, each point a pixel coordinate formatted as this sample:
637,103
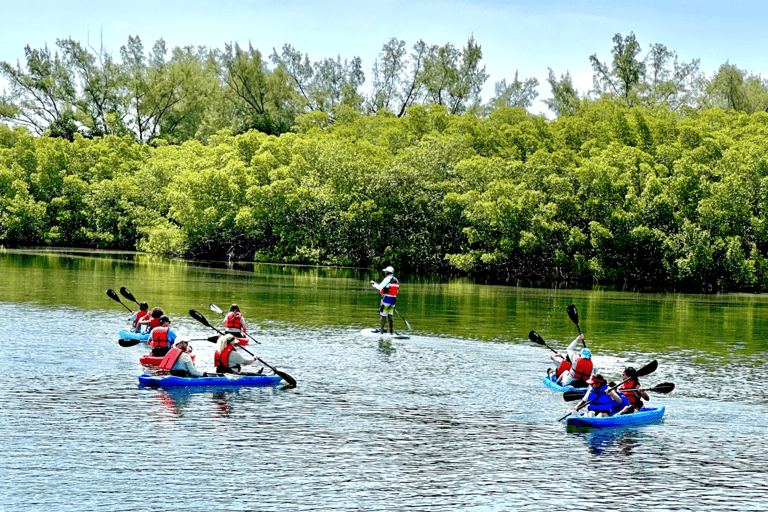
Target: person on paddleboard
635,398
162,337
227,359
234,322
388,289
602,400
178,361
139,315
581,368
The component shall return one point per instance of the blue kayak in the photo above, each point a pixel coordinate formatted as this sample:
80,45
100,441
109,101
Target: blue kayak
224,380
129,335
551,384
645,415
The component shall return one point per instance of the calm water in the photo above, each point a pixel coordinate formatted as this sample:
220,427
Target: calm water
455,418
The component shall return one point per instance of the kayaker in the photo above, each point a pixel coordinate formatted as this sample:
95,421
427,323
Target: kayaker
227,359
563,365
162,337
635,398
388,288
234,321
582,367
601,398
153,320
179,362
139,315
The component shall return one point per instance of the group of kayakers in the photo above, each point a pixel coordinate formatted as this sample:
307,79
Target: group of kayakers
576,369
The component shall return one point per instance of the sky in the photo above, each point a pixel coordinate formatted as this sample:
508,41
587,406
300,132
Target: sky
526,36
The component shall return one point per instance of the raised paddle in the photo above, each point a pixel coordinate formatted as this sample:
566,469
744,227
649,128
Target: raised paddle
200,318
574,315
664,387
217,309
112,295
534,337
128,295
645,370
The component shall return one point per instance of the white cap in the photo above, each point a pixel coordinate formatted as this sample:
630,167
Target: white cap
389,269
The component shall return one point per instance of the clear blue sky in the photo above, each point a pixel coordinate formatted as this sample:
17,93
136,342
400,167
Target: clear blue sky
528,36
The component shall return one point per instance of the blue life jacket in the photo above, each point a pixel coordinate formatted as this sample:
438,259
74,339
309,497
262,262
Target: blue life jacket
603,402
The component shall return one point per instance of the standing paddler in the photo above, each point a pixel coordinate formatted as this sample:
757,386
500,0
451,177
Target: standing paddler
388,289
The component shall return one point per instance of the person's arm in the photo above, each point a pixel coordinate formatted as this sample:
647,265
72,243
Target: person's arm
189,365
235,357
171,336
382,284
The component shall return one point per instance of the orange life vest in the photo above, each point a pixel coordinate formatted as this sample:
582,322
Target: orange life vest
392,288
234,320
634,398
222,358
159,338
140,315
565,366
170,358
583,369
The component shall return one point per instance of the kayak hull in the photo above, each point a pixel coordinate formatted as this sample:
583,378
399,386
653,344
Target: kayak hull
225,380
551,384
645,415
150,360
129,335
375,333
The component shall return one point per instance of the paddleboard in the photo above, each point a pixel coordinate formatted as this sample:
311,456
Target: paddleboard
375,333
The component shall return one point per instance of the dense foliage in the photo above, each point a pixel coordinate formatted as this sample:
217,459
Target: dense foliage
635,196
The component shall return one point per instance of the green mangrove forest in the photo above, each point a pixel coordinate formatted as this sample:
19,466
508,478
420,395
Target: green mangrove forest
657,179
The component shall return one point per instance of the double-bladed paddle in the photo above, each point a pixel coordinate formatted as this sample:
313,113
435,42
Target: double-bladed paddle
574,315
127,342
534,337
645,370
664,387
217,309
112,295
287,378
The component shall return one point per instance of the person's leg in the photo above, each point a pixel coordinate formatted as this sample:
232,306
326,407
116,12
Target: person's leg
391,330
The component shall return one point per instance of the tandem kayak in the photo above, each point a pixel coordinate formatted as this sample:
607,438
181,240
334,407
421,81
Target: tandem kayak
376,333
130,335
224,380
645,415
551,384
150,360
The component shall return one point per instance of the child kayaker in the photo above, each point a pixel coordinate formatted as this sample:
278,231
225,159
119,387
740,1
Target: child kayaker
139,315
582,367
636,397
601,398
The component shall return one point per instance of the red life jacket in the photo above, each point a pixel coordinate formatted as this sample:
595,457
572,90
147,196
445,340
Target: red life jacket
583,369
565,366
234,320
170,358
633,398
159,338
154,322
222,358
140,315
392,288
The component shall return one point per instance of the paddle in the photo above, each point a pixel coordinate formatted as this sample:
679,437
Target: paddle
664,387
200,318
404,320
128,295
574,315
645,370
124,342
112,295
217,309
534,337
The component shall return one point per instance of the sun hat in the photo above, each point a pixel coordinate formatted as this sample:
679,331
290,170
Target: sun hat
390,269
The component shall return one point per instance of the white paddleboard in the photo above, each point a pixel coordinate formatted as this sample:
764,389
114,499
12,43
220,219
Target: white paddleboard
372,332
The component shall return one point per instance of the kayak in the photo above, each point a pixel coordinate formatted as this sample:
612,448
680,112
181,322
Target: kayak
645,415
150,360
224,380
376,333
551,384
130,335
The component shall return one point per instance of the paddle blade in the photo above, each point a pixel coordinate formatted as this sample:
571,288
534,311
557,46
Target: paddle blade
664,387
127,294
648,369
199,317
572,396
534,337
112,295
573,314
216,309
128,343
